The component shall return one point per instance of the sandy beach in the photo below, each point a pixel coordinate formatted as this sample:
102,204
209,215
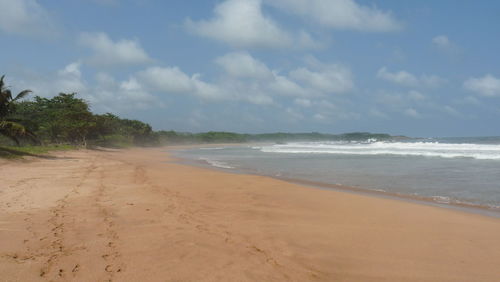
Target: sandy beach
137,215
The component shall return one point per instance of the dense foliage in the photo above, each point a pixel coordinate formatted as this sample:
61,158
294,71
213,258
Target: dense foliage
65,119
9,126
174,137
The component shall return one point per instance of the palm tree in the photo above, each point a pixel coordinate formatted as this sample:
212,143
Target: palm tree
9,127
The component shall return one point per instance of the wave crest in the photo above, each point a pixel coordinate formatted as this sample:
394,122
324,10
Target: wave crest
424,149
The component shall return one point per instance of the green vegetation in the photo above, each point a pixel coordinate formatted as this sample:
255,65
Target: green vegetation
65,121
9,126
172,137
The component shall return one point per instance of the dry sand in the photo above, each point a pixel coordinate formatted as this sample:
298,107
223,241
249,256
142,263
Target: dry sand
136,216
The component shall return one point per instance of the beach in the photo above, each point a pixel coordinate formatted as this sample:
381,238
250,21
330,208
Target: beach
139,215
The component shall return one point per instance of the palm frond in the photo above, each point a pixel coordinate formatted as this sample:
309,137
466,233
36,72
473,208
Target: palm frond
15,130
11,130
12,126
9,126
22,94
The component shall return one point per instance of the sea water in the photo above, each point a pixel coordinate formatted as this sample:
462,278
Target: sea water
463,171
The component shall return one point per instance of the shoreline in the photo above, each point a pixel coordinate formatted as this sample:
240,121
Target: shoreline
462,207
427,201
136,214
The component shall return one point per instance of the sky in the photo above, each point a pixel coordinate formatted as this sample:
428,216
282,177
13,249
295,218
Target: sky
417,68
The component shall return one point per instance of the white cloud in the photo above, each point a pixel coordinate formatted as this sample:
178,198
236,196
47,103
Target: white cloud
442,42
108,95
306,41
171,80
259,99
207,90
253,91
340,14
487,85
25,17
416,96
242,64
247,76
445,45
241,23
245,79
129,95
303,102
326,78
431,80
105,79
70,79
401,77
408,79
108,52
412,113
412,104
105,95
286,87
320,117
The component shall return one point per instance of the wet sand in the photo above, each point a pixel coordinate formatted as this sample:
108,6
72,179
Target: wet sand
135,215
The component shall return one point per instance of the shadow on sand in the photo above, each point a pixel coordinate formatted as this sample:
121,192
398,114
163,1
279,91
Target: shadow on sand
9,153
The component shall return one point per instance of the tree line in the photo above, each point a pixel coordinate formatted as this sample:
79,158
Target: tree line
67,119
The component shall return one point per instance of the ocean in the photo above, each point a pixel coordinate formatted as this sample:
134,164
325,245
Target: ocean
450,171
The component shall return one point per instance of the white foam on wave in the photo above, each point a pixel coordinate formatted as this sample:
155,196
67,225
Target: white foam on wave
218,164
425,149
441,199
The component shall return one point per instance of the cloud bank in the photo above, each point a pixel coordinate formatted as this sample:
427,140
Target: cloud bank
410,80
25,17
111,53
488,85
242,24
340,14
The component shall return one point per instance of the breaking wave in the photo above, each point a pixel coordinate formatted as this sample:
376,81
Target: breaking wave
215,163
424,149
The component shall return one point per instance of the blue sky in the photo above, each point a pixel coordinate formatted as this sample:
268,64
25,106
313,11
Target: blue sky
417,68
